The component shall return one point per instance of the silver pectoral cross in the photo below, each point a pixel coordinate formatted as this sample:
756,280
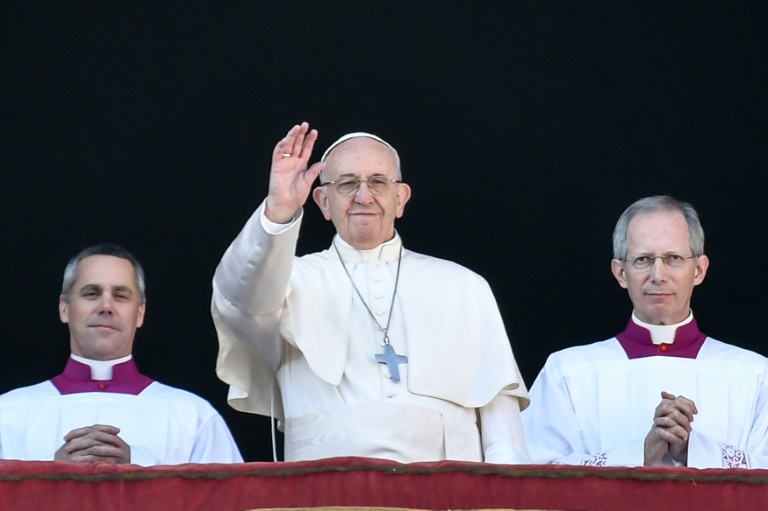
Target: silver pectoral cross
392,360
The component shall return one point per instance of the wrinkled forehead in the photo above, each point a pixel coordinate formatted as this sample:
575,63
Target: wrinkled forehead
105,271
658,231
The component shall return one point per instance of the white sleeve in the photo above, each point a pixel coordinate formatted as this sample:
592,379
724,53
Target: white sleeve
256,258
555,435
214,443
143,457
249,289
707,452
501,431
274,228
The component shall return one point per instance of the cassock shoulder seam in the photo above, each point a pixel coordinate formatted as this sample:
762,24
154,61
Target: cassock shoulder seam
192,398
714,344
42,387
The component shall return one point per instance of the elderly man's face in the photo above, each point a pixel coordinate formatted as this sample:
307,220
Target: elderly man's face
103,312
362,219
660,295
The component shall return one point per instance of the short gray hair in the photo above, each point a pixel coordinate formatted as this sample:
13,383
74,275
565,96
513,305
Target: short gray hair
359,134
654,204
109,249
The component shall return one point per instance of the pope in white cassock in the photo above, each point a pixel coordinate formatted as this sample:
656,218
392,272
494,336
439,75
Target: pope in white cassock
661,392
366,348
101,409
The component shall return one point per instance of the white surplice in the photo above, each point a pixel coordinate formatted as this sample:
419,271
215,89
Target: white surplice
592,405
298,321
162,425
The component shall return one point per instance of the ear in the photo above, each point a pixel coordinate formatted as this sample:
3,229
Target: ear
321,199
140,314
617,268
403,195
700,271
63,310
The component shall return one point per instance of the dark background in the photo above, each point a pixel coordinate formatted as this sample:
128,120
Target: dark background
524,128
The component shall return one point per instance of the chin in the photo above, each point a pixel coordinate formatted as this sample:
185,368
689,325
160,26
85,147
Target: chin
363,239
665,319
364,245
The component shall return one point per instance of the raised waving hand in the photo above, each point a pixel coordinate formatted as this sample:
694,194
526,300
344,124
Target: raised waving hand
290,179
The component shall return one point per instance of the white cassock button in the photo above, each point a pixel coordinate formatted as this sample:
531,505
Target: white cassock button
379,313
390,395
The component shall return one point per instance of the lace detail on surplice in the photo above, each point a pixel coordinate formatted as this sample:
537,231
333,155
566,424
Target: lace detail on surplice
596,460
733,457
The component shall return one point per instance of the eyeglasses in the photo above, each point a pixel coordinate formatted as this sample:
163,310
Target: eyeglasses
646,262
377,184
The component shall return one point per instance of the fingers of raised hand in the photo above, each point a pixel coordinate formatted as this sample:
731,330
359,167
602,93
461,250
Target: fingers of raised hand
307,144
297,143
284,147
298,140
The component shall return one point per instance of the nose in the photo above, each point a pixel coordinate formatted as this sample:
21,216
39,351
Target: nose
659,271
106,305
363,195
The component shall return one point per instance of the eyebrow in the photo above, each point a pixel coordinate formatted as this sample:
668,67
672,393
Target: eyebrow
123,289
668,252
651,254
100,289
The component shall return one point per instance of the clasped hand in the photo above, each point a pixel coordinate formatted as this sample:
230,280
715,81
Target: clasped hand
668,438
94,443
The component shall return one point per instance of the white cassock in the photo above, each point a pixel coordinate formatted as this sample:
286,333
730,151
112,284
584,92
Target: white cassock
161,424
594,404
298,321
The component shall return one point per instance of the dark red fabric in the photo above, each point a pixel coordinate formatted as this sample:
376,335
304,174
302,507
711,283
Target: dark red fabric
76,378
637,343
362,482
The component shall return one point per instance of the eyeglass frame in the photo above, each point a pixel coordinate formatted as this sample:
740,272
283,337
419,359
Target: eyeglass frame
664,260
390,181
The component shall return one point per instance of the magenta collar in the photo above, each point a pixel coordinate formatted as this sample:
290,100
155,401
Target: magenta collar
76,379
636,342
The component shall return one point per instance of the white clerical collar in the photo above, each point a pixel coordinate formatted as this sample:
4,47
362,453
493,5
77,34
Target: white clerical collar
100,369
387,251
662,334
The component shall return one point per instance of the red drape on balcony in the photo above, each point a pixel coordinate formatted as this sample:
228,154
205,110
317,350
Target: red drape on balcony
366,483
